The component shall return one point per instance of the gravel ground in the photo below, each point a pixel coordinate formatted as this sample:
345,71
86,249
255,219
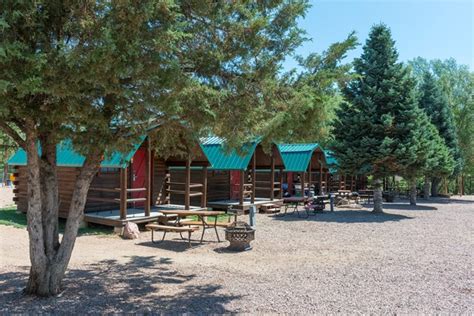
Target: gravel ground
410,260
6,196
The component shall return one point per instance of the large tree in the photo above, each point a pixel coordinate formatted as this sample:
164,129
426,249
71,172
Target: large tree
100,73
377,128
436,106
456,83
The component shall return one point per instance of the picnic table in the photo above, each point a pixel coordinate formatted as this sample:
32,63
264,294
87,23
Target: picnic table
292,202
202,220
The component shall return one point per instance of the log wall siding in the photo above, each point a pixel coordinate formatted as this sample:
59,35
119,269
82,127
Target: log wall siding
218,186
66,179
159,178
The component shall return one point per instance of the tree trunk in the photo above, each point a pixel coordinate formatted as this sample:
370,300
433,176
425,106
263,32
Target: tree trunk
378,196
445,186
49,257
426,188
435,186
413,192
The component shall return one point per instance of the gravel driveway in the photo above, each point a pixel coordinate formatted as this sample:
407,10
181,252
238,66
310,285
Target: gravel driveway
410,260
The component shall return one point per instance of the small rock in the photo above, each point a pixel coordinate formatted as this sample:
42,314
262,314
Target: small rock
131,231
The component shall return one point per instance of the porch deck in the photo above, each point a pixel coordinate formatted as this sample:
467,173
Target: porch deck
224,204
135,215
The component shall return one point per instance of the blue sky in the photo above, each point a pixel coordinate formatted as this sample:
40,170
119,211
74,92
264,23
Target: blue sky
427,28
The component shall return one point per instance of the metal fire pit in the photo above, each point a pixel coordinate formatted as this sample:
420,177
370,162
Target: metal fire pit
239,234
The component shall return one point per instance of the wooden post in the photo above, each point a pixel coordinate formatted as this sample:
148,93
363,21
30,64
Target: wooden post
187,184
310,177
148,179
352,183
204,187
326,174
241,187
272,178
281,183
303,176
123,192
254,176
320,178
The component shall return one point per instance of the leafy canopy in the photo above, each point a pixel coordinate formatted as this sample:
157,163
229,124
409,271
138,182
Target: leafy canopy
101,73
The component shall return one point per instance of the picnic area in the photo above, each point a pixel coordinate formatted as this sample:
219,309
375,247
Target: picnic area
409,260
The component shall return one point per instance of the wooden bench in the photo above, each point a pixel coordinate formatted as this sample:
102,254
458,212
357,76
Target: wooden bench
199,223
172,229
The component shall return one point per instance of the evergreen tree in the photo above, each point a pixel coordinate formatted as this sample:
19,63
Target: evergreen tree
436,105
428,155
90,71
378,130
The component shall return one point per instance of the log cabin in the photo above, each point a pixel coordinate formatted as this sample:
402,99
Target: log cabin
306,168
253,175
136,185
133,186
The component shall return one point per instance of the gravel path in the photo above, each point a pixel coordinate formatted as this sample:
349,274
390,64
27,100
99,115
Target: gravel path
6,196
410,260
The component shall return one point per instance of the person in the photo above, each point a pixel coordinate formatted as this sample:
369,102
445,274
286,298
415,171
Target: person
286,193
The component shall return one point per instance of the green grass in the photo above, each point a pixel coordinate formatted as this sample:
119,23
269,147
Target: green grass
9,217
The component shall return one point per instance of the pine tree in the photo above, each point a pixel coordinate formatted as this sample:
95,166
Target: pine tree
436,105
379,130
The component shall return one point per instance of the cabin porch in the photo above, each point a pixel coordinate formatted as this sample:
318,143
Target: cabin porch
134,215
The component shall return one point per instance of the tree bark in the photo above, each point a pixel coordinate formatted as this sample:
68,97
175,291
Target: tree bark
413,192
426,188
435,186
445,186
49,257
378,196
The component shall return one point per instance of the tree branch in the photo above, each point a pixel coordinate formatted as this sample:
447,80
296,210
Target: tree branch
13,134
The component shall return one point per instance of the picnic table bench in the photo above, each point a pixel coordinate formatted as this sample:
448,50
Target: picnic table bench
292,202
172,229
202,220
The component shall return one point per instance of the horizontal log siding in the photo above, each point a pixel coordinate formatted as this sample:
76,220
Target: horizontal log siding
159,177
218,186
104,180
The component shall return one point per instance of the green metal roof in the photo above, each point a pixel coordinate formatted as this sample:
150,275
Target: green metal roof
214,149
67,157
296,157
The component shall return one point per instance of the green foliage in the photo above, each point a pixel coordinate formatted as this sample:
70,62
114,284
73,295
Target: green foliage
307,100
101,73
456,84
380,130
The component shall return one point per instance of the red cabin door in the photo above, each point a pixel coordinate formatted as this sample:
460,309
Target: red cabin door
138,176
234,184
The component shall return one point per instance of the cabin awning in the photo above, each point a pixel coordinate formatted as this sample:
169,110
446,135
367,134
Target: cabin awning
67,157
296,157
221,159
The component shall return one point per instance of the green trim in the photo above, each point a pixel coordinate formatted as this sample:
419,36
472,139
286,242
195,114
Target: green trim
67,157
